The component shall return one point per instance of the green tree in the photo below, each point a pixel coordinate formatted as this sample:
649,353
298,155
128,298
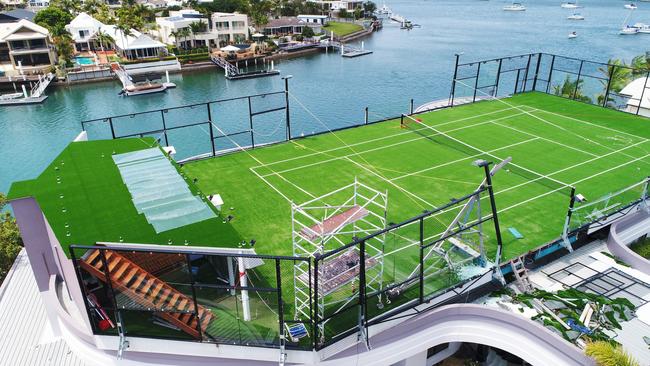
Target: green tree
369,8
570,88
641,64
620,77
104,39
184,33
259,11
358,13
10,241
72,7
54,19
343,13
609,354
307,32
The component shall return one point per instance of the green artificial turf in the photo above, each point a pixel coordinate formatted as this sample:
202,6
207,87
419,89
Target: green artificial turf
573,142
342,29
85,201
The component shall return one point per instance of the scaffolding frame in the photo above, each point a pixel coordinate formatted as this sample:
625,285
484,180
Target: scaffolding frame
319,228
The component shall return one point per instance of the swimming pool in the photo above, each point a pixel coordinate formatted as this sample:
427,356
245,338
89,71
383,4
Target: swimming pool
82,61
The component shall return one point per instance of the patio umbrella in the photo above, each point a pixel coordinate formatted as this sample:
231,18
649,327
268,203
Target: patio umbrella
230,48
257,35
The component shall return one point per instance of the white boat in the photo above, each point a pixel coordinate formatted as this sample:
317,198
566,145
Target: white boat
642,28
11,96
570,5
628,30
576,16
146,88
514,7
630,6
573,35
384,10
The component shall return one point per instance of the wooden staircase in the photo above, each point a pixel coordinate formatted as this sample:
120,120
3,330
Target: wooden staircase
521,274
148,290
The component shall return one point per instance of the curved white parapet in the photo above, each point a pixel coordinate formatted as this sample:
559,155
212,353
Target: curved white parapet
472,323
625,232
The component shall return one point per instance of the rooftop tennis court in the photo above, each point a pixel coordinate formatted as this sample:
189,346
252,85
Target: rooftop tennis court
423,163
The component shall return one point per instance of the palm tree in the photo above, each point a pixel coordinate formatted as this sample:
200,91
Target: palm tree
184,32
571,89
125,32
195,28
103,38
641,64
617,76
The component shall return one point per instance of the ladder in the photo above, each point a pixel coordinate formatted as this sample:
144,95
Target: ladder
231,70
41,85
521,274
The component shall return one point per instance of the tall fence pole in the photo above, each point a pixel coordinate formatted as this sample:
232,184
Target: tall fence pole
498,79
110,122
214,150
575,91
645,86
478,74
286,99
411,108
250,122
162,118
609,84
421,260
539,61
453,82
315,315
278,279
362,291
365,120
526,73
550,75
495,220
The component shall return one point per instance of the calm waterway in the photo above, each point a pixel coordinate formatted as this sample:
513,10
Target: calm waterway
405,64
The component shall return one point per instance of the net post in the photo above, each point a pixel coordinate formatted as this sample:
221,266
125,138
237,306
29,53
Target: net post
567,221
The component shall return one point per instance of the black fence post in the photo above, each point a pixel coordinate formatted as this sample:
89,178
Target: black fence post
575,91
550,75
539,61
498,78
517,82
288,114
645,86
164,124
609,84
214,150
421,260
495,218
366,115
526,73
250,122
315,302
453,82
362,288
110,122
278,279
478,74
411,108
196,305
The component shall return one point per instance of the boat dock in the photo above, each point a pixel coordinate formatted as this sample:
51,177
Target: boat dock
142,85
346,50
36,94
232,72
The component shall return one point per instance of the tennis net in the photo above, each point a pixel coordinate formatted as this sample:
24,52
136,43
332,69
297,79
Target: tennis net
444,139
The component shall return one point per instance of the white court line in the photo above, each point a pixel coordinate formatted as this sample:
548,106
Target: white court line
463,159
382,147
586,122
391,183
381,138
546,139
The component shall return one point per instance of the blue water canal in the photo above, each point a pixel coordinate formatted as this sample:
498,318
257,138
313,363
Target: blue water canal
405,64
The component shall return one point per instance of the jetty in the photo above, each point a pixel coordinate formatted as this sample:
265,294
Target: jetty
36,94
141,84
345,50
232,72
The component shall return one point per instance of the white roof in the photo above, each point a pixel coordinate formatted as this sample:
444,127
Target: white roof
312,16
9,29
83,20
135,40
26,335
635,90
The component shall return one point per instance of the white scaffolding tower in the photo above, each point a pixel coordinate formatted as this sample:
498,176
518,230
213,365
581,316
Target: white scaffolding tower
332,221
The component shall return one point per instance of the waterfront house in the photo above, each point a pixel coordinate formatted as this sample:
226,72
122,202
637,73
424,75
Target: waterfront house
230,27
25,47
336,5
134,45
153,4
168,28
84,29
288,26
638,92
313,19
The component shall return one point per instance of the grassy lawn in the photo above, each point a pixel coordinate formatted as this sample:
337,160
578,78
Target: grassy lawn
642,248
342,29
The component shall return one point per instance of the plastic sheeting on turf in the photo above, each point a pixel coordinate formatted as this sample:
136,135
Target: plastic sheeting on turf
159,192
